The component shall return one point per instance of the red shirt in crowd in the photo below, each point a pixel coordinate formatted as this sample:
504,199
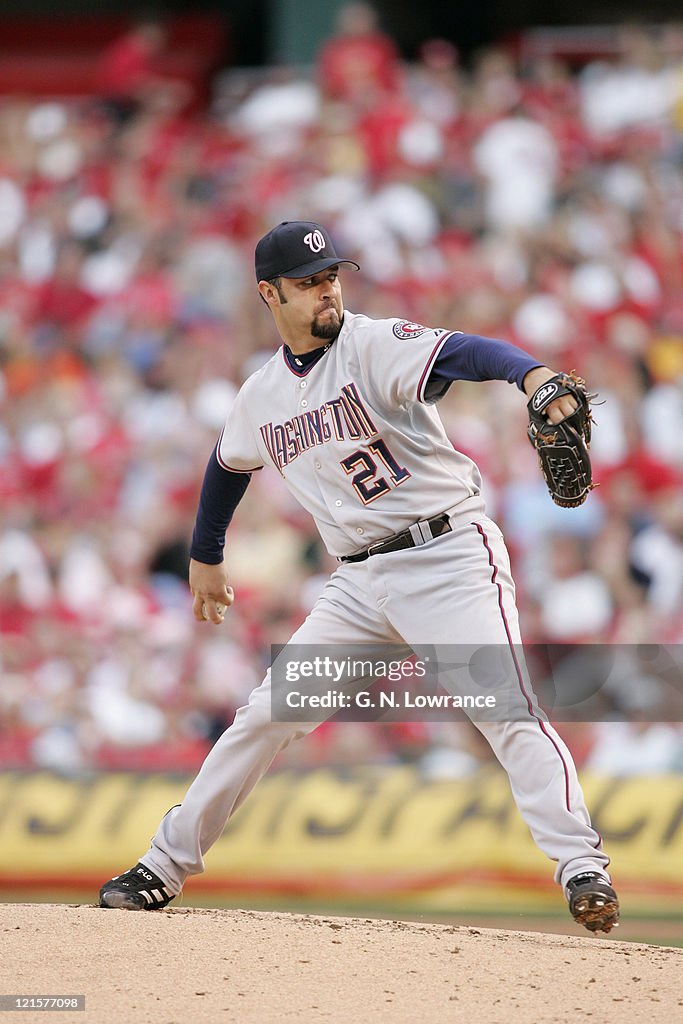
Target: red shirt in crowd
126,65
350,65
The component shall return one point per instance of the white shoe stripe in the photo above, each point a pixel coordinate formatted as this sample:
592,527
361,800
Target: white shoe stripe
146,895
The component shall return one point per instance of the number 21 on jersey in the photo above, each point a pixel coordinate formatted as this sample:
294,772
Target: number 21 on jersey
366,484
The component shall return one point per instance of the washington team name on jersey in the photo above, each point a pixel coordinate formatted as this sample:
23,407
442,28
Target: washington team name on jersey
341,418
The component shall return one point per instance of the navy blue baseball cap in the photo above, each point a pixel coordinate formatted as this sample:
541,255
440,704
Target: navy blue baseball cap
296,248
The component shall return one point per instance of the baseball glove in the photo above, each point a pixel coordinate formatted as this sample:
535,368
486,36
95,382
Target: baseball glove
562,448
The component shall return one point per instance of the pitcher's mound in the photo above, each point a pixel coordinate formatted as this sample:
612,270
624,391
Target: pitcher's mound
181,965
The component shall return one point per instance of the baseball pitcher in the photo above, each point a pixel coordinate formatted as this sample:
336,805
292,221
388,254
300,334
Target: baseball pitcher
345,411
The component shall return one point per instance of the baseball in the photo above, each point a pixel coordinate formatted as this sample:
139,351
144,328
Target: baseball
220,608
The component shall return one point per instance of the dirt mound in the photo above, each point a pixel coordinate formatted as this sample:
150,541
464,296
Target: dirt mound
187,964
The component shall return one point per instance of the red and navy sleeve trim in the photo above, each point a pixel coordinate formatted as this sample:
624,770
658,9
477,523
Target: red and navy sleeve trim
443,338
224,465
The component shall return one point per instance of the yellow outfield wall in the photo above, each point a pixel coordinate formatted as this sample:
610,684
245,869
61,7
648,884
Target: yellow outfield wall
372,834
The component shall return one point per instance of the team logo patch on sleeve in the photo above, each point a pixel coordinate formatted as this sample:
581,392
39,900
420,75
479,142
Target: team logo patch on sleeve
406,329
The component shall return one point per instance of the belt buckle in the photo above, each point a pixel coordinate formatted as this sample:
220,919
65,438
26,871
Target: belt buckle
372,549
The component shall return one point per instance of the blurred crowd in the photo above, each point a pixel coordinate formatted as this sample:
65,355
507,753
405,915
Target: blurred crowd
542,204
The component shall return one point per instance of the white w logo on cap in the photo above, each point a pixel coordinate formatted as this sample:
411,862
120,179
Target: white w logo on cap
315,241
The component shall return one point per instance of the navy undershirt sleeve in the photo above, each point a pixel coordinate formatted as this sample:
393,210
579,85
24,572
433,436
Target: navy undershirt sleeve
221,493
473,357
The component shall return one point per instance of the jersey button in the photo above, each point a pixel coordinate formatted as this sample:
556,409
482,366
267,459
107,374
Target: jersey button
317,465
304,402
359,529
338,502
303,384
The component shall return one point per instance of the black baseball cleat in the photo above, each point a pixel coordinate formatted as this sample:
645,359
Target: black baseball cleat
593,902
137,889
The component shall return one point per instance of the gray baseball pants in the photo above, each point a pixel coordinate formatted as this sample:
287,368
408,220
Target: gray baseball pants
456,589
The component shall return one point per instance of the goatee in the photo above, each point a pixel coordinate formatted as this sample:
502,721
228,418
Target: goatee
328,330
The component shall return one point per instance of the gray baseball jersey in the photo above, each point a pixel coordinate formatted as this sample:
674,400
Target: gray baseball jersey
354,438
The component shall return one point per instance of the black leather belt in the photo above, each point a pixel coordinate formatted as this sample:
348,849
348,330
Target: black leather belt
415,535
